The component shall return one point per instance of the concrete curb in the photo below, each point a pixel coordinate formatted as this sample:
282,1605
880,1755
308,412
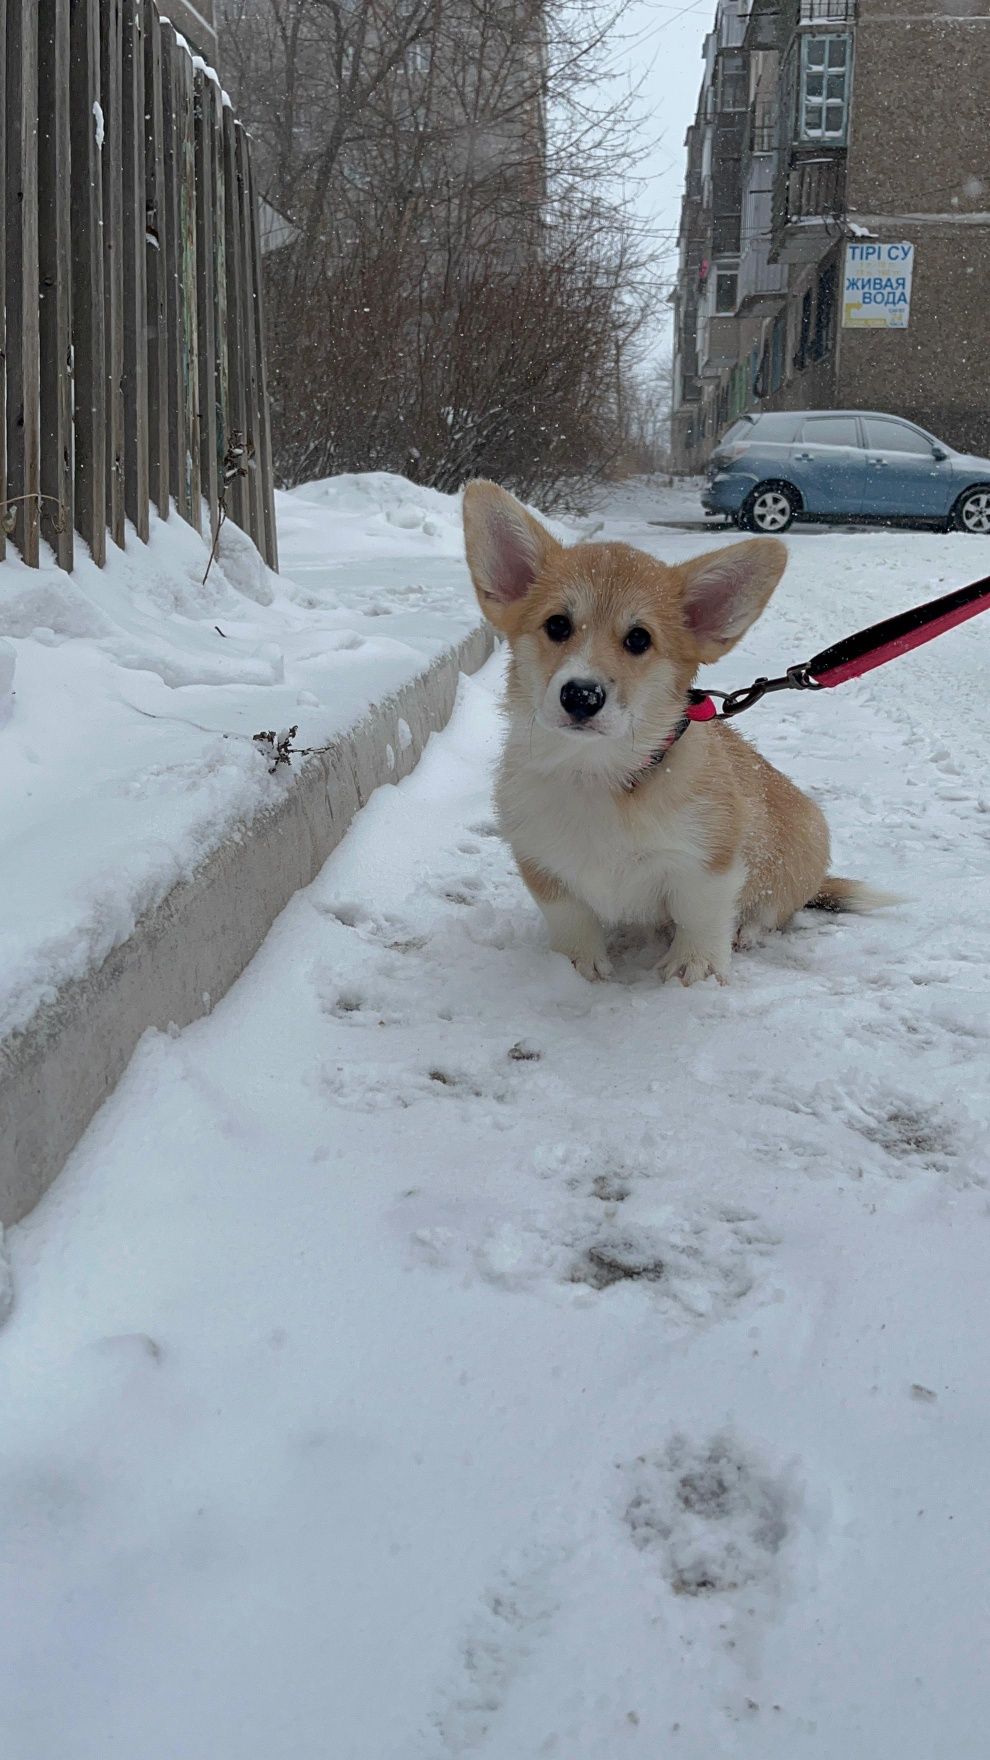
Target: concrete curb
185,953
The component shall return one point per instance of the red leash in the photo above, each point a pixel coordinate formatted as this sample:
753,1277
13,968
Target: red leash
863,651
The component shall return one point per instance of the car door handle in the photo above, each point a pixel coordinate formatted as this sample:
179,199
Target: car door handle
804,455
882,462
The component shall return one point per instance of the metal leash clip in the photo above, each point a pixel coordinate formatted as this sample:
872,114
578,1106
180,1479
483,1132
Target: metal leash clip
796,678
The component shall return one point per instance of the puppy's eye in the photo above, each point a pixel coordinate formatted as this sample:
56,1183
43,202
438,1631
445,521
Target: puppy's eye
559,628
638,640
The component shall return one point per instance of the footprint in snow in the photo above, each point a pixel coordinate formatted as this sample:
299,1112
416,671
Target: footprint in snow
365,1087
360,1008
384,930
907,1132
694,1269
514,1615
136,1349
610,1188
713,1517
465,889
523,1052
697,1266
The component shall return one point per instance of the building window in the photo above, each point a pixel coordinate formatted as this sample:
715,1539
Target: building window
777,352
824,314
763,127
733,85
804,338
757,374
823,107
725,291
760,370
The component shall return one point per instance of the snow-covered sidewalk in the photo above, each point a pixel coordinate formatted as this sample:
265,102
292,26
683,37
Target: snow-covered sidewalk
432,1355
127,754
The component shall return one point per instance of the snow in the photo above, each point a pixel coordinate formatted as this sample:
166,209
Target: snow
431,1354
643,499
98,119
8,661
127,744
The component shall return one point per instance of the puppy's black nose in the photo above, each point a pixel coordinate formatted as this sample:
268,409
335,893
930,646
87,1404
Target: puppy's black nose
582,698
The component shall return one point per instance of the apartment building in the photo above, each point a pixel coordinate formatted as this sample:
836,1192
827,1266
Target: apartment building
835,228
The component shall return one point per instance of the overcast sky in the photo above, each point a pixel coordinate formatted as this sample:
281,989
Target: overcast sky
665,46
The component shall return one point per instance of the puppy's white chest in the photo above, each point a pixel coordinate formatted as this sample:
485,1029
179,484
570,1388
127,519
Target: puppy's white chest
623,872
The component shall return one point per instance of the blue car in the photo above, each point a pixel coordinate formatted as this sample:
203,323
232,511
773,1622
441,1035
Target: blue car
771,469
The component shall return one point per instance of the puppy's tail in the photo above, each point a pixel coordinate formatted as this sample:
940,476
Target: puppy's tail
836,894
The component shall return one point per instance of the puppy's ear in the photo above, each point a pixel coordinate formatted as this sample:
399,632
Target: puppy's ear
723,592
506,550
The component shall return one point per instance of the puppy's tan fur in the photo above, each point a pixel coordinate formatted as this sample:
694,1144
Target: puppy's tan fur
713,841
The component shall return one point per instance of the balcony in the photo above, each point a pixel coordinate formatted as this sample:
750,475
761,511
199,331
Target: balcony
726,233
763,25
809,199
762,284
764,128
826,11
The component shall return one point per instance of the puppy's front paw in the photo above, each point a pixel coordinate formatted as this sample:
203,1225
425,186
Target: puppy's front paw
692,964
749,935
592,966
587,957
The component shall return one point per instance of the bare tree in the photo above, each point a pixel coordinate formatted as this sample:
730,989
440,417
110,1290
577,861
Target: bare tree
647,406
460,275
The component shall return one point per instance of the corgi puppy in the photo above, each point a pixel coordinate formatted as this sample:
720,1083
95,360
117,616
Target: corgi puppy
616,811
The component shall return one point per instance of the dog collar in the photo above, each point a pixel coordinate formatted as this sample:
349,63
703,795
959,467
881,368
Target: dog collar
700,707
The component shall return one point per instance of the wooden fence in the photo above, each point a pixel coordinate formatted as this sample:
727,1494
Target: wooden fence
132,367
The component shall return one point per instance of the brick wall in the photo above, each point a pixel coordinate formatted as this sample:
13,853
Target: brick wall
919,169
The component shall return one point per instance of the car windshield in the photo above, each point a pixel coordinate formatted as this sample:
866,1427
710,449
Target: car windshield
740,430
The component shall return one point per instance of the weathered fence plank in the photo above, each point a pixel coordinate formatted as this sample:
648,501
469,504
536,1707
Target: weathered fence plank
3,291
222,387
185,122
237,497
178,445
111,82
205,294
88,316
135,270
158,440
266,536
256,505
55,278
23,411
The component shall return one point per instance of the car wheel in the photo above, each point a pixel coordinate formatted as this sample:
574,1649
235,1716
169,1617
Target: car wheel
972,511
770,509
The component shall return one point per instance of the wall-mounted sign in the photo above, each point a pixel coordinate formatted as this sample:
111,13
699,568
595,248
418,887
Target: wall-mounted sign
876,288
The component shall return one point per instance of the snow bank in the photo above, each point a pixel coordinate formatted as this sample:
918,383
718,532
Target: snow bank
377,513
127,748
